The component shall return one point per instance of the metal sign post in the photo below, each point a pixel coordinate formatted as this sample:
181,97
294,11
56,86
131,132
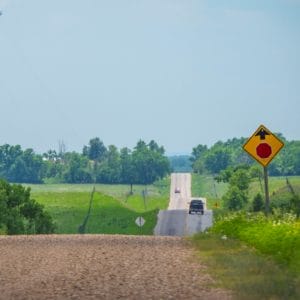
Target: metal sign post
267,208
263,146
140,221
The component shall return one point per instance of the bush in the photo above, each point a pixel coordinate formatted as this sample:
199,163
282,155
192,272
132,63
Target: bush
258,203
19,213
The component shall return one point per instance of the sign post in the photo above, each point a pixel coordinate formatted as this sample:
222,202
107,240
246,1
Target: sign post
263,146
140,221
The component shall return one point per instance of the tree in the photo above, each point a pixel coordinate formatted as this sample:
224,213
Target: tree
128,170
241,179
258,203
196,158
77,169
149,164
235,199
20,166
217,160
109,170
153,146
95,150
19,213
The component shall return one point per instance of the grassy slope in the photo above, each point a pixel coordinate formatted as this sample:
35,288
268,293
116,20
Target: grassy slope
205,186
113,210
244,271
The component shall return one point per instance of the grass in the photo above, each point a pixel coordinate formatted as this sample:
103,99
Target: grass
206,186
275,184
111,217
113,209
243,270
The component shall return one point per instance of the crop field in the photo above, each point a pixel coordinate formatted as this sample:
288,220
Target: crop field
112,210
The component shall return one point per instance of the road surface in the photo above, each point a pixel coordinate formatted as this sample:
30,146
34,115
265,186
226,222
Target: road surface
176,221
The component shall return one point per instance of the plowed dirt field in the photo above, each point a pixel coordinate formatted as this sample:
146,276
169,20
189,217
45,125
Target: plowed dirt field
102,267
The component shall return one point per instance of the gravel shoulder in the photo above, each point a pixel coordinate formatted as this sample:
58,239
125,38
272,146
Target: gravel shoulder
102,267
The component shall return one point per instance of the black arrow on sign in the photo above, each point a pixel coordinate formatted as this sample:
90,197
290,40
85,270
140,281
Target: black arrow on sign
262,133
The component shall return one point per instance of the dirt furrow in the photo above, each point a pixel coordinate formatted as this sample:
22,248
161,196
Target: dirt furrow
102,267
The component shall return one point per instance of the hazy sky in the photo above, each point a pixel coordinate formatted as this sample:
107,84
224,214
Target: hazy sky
182,73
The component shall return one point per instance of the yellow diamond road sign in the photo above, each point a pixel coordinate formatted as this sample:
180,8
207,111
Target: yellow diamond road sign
263,145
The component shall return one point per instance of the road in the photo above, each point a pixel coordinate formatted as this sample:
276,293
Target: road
176,221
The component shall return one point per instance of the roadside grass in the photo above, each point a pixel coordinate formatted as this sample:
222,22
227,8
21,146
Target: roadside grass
68,209
108,215
243,270
113,209
206,186
112,217
275,184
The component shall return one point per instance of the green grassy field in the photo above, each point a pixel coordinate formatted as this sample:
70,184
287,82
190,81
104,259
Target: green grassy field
113,210
206,186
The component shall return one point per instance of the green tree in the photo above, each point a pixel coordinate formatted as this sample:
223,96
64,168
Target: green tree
95,150
149,164
235,199
77,169
217,160
20,166
128,170
109,170
240,178
19,211
258,203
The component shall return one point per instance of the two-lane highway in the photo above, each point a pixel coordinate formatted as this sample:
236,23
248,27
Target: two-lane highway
176,220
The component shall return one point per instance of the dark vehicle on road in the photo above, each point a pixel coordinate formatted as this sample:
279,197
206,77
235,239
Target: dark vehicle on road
177,190
196,206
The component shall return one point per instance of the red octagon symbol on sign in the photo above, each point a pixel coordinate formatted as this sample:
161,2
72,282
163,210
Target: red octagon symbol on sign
263,150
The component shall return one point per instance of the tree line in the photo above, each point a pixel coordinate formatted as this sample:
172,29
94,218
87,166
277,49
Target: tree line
228,162
230,153
95,164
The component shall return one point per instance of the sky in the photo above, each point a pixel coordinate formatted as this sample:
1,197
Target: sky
181,73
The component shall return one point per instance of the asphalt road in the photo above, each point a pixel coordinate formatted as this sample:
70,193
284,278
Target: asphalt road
176,221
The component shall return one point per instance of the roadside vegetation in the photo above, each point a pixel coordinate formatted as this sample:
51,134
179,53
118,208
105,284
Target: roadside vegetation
256,256
20,214
113,208
244,270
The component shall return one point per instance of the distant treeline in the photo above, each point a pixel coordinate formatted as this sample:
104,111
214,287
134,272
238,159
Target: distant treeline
231,154
96,164
142,165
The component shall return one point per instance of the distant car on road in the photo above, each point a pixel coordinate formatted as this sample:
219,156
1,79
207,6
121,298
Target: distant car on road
196,206
177,190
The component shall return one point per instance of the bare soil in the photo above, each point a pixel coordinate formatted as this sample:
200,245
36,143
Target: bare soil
102,267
